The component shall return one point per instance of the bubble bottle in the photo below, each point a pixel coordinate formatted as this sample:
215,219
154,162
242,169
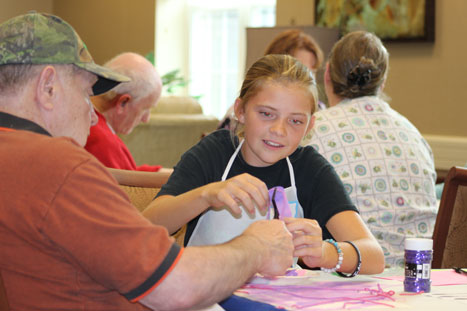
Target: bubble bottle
418,256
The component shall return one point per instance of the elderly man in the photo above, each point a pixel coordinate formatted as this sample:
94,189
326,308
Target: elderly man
120,110
69,237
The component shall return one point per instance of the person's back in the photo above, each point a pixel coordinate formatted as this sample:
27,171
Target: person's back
382,159
386,167
46,238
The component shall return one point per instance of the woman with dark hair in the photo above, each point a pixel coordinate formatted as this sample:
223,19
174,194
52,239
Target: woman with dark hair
300,45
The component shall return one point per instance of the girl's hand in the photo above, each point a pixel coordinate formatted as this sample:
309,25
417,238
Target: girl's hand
242,190
307,239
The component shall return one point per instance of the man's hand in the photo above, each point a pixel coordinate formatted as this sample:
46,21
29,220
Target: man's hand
275,246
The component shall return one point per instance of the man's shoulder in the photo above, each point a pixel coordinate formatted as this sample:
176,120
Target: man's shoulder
42,148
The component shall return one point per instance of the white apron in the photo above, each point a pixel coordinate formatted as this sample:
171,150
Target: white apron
220,225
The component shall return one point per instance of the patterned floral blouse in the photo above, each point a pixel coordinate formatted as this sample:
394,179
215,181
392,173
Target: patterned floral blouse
386,166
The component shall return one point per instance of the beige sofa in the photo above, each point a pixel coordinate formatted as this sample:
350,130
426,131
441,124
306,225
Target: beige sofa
176,124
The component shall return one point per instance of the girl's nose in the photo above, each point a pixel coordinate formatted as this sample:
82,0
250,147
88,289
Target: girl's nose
279,127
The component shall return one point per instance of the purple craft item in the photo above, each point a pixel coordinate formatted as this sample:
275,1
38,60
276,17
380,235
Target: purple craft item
280,200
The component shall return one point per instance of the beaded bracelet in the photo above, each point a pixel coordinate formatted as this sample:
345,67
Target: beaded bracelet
359,263
340,258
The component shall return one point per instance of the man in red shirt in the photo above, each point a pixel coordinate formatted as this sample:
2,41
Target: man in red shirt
121,109
69,237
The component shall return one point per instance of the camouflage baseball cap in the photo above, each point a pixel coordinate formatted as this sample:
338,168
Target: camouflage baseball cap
39,38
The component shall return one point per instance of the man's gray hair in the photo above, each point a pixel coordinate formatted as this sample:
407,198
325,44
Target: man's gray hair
142,84
14,77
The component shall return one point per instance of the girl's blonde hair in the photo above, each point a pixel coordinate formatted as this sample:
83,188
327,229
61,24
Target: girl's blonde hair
358,65
280,69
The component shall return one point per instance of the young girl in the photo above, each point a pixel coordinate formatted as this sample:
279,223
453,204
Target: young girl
221,185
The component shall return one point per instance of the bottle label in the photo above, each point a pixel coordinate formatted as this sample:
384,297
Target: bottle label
417,271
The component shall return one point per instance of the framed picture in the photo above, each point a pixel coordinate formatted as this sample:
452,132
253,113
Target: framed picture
391,20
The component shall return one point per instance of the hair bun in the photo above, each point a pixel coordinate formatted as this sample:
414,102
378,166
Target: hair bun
359,76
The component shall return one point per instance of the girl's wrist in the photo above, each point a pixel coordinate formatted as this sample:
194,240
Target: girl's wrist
330,255
205,197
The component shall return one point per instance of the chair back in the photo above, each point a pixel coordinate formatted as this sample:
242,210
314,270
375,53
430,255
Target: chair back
3,299
450,232
141,188
140,197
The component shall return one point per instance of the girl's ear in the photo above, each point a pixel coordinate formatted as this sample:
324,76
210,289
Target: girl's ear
239,110
46,88
311,124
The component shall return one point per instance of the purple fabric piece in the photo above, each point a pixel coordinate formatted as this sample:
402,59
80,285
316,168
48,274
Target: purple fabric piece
281,202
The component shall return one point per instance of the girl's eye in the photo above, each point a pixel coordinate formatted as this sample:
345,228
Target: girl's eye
296,121
265,113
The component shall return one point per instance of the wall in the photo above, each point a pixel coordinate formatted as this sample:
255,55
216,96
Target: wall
109,27
427,81
295,12
11,8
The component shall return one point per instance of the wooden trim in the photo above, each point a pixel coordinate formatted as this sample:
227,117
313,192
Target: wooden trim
141,179
448,151
456,176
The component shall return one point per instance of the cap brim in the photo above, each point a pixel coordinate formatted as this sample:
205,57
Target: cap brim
103,85
106,78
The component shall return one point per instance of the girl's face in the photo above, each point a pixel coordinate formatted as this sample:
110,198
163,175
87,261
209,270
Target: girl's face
274,122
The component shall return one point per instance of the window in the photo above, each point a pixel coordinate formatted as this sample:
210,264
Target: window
215,46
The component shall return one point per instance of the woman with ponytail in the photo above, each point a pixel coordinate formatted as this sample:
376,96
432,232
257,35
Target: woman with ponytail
385,164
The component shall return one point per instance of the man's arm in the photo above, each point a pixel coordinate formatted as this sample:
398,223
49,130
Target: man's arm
206,275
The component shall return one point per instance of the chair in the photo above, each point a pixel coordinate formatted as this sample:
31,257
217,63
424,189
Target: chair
141,188
450,232
3,298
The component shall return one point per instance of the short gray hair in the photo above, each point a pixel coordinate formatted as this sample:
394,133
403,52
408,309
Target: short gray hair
142,83
15,76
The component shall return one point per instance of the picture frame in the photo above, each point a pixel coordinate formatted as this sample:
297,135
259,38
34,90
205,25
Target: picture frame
391,20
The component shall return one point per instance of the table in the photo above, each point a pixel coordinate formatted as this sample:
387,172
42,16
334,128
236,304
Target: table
316,290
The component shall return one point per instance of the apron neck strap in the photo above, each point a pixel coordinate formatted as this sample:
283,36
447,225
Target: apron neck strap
232,159
291,173
234,155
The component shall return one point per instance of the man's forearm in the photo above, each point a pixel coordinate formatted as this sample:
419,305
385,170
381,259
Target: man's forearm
206,275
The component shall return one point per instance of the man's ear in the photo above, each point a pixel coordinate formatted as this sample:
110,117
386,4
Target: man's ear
239,110
47,87
122,101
